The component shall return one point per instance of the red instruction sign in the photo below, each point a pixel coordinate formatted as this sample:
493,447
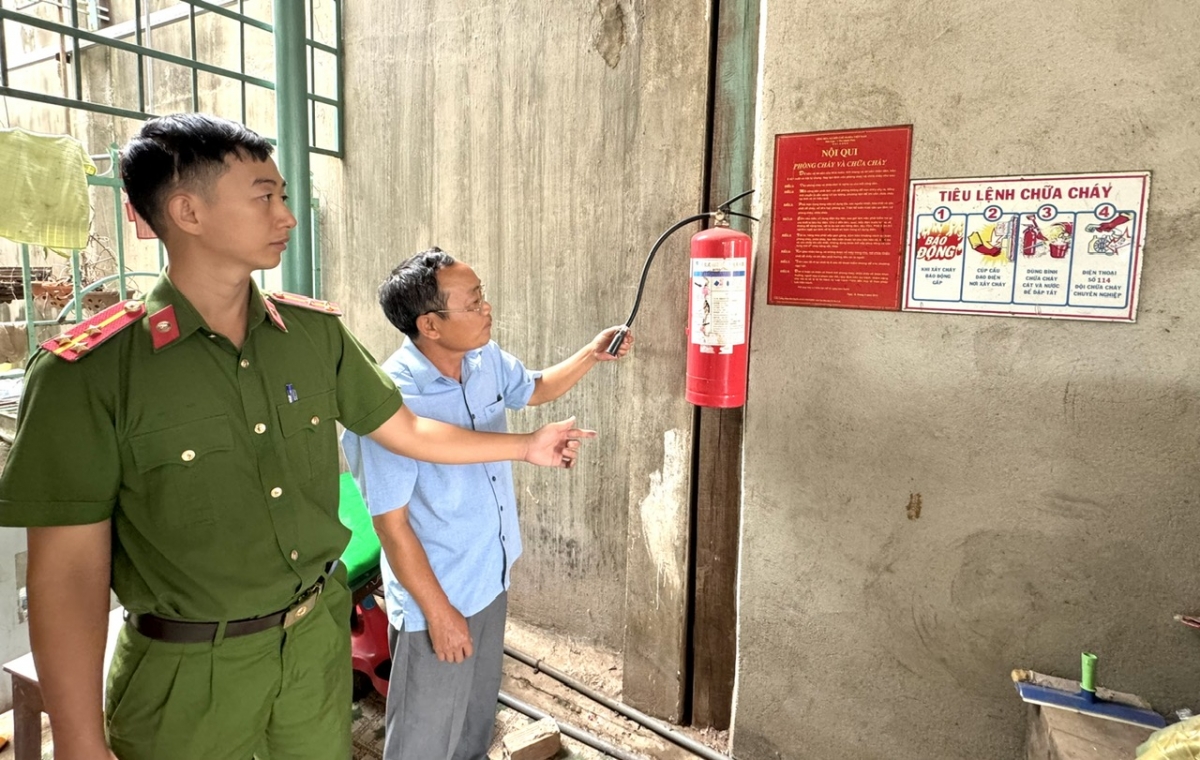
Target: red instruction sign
837,225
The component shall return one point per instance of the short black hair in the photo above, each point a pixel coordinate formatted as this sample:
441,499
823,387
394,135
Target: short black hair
411,290
182,149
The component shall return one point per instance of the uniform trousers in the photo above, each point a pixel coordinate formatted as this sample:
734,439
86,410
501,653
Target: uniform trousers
280,694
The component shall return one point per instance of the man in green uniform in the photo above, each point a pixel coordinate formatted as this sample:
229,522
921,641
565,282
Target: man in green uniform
183,451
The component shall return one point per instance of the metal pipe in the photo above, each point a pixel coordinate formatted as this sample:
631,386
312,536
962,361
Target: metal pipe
75,60
316,247
340,120
141,64
242,53
291,119
52,100
3,58
149,99
195,56
120,228
635,715
30,314
77,285
238,16
566,728
312,73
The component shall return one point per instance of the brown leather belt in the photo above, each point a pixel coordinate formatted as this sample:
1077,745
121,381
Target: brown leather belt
187,632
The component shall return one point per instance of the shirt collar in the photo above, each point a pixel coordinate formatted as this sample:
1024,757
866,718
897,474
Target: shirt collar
424,373
172,317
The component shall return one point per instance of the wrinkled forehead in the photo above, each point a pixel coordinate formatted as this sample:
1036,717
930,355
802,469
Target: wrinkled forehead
458,278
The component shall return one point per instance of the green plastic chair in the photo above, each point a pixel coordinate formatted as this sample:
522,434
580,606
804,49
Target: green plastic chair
361,556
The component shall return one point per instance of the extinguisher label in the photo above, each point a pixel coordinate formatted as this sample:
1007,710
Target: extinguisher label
718,302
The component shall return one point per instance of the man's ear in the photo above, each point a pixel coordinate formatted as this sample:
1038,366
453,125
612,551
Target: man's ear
428,325
183,211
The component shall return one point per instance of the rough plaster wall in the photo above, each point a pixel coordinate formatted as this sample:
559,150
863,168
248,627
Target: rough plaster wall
547,145
1055,459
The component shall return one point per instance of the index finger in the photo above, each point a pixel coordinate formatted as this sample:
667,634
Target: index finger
578,433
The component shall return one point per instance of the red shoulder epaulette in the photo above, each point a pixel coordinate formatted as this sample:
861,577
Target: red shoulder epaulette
85,336
304,302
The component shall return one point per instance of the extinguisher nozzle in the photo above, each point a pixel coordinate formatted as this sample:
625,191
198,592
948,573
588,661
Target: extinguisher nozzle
618,339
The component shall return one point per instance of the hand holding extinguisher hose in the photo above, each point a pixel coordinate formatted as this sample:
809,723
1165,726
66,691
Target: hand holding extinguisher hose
720,214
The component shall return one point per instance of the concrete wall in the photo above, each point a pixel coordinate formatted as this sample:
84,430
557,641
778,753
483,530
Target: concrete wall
548,145
1055,459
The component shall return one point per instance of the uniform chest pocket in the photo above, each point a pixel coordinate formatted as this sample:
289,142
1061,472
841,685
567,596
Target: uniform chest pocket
309,435
178,463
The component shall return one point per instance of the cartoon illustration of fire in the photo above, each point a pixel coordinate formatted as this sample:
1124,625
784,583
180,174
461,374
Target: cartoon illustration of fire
940,243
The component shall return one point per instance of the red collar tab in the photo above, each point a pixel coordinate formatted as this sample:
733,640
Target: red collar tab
164,328
273,313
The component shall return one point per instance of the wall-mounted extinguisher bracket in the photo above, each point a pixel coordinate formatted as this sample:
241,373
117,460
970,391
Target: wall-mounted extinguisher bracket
718,308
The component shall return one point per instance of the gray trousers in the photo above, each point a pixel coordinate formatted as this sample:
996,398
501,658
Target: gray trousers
445,710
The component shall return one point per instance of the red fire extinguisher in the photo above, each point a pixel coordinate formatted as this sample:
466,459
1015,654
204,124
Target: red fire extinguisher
718,330
1032,239
719,317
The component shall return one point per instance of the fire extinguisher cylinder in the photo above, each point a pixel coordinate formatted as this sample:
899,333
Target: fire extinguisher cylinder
719,318
719,308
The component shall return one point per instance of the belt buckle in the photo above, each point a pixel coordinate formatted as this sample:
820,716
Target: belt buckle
303,606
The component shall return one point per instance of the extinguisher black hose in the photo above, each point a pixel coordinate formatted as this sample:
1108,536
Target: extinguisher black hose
615,345
650,258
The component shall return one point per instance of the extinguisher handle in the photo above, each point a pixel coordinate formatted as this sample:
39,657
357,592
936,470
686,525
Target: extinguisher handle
618,338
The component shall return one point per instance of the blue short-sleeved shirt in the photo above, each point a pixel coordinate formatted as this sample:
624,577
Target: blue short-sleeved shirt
464,515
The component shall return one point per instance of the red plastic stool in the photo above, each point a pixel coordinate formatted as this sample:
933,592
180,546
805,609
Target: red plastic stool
369,651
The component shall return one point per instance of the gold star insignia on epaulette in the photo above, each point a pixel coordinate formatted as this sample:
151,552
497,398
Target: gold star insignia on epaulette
87,335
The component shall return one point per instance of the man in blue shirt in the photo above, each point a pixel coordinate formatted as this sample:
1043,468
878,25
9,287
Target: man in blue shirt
449,532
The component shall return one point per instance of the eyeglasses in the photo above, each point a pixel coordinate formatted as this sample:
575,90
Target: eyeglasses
477,308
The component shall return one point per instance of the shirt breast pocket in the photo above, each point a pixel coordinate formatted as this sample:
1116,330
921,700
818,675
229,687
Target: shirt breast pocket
491,418
178,465
309,435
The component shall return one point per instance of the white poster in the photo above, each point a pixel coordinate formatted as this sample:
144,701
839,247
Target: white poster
1067,246
718,304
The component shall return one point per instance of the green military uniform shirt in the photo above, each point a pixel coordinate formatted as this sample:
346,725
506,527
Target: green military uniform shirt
218,467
